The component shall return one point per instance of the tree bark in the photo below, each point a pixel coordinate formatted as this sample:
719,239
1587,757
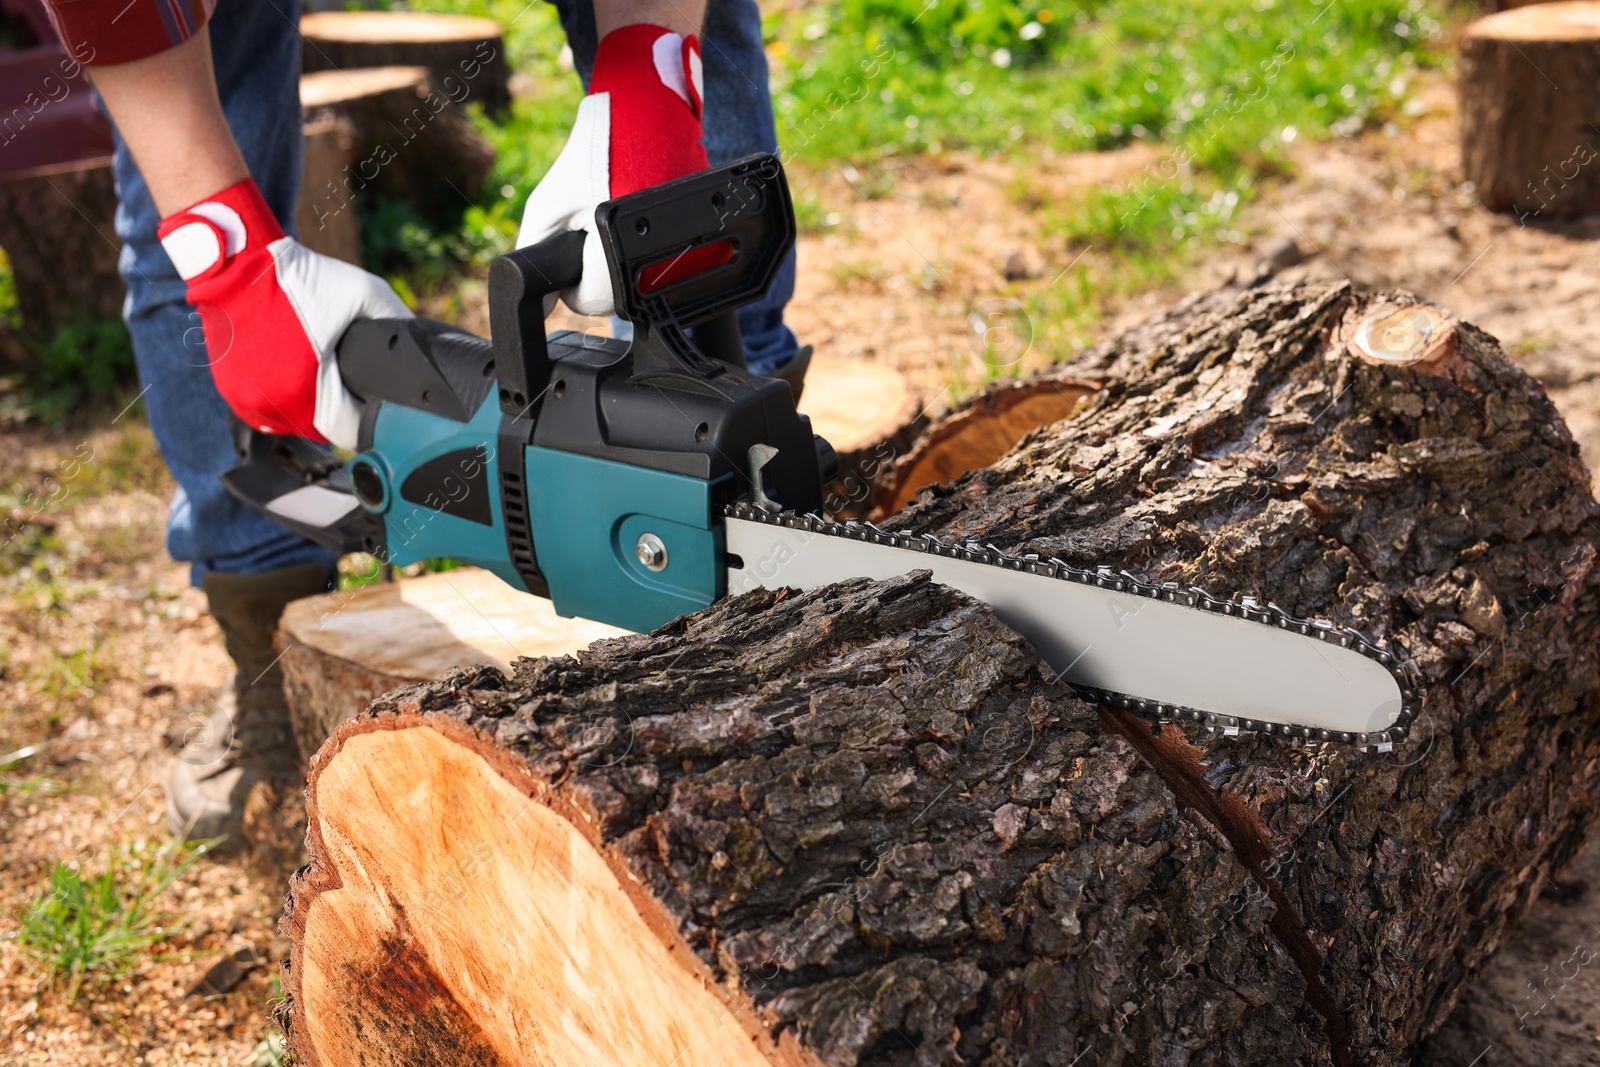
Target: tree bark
1530,90
862,825
458,50
56,228
411,141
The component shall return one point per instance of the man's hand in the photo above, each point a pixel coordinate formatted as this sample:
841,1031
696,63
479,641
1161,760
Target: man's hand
273,312
639,126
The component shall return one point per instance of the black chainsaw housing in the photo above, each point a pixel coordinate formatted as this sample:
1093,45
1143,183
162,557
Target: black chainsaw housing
676,399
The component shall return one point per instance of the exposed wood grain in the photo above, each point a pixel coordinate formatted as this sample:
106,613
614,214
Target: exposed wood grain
870,414
506,939
980,431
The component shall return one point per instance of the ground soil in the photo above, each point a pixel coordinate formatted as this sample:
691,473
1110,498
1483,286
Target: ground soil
106,653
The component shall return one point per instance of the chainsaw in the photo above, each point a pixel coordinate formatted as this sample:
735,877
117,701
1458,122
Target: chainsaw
632,482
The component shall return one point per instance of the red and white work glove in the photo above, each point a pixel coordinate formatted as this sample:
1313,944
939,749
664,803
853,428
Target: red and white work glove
639,126
273,312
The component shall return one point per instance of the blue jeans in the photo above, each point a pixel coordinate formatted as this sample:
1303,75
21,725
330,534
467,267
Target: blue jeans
738,121
256,47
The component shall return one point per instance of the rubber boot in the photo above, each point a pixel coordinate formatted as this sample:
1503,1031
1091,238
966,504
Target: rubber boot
248,736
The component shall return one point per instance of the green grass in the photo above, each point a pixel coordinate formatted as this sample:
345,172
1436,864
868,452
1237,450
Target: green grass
419,256
10,313
359,568
1218,88
1224,79
92,930
31,785
89,362
66,676
123,458
81,372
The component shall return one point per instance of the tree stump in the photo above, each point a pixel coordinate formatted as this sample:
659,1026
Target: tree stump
862,825
458,50
411,141
57,196
342,650
56,228
329,145
1530,93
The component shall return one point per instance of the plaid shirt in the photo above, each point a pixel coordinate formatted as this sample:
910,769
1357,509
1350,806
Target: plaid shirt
103,32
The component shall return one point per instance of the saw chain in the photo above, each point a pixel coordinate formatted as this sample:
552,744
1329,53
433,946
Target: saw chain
1247,608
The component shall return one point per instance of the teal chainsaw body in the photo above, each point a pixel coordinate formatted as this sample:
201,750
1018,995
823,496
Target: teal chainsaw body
589,470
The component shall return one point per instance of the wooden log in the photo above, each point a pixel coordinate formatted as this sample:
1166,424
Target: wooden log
411,141
458,50
329,149
1530,92
56,228
862,825
977,433
343,650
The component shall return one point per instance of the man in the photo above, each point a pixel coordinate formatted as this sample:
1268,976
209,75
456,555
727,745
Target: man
227,310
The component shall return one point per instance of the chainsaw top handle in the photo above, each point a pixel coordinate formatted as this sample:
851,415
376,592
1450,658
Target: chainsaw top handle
738,216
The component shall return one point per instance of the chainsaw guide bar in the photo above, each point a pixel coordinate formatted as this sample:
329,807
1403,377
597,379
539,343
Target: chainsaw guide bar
1400,705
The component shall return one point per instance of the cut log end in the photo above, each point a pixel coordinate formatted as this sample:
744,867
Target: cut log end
507,939
54,222
979,432
410,140
332,88
342,650
870,414
1566,20
385,27
464,55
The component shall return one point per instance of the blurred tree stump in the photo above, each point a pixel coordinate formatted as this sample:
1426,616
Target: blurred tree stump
56,226
329,148
410,142
862,825
458,50
1529,83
